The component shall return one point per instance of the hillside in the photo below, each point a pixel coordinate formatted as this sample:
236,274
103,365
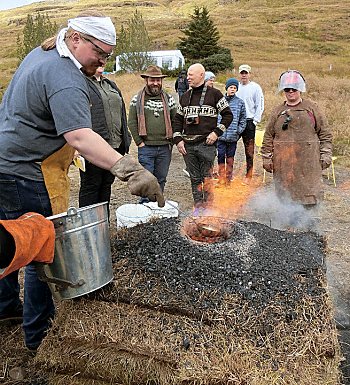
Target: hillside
271,35
308,34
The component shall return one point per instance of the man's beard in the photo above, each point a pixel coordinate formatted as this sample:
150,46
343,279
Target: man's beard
88,71
153,90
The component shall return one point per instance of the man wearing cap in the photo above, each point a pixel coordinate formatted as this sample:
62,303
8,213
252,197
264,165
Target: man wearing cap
251,93
151,113
297,144
196,130
44,117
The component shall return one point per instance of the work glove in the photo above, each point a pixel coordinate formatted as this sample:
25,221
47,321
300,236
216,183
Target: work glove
140,181
326,161
268,164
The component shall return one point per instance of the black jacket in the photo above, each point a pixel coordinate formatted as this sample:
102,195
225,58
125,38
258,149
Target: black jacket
181,84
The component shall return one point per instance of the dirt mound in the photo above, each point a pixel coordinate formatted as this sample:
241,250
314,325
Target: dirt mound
252,308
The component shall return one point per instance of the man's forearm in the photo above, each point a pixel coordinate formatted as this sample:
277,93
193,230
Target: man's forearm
93,147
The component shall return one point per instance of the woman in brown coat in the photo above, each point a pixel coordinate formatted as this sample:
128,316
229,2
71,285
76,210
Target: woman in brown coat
297,144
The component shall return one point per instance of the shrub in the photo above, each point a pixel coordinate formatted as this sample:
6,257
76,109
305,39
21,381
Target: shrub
218,62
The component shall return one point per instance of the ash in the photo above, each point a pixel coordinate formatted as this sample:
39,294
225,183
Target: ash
260,264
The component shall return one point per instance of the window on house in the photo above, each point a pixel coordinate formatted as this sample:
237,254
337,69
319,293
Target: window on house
167,62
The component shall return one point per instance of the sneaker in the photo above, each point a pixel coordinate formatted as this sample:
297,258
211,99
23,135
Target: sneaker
13,318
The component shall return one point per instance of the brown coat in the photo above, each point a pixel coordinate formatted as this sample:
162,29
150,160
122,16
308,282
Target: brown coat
296,150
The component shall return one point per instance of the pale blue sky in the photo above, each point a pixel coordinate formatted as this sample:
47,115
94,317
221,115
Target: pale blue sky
8,4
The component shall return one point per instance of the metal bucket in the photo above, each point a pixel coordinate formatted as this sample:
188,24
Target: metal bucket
82,261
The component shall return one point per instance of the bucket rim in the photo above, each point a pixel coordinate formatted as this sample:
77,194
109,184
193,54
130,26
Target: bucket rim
147,211
78,209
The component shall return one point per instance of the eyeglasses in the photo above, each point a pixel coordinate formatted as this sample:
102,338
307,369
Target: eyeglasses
101,52
290,90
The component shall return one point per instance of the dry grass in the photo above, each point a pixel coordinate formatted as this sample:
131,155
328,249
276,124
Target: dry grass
271,35
125,344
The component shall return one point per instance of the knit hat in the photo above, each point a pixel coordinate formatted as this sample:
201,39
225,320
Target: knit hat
208,75
231,82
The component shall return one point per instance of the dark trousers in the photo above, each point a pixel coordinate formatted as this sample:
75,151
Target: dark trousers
95,185
199,163
17,197
248,137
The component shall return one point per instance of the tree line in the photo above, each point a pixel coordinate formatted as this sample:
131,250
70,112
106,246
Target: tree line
200,42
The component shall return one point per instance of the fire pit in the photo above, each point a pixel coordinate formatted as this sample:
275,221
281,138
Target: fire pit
206,229
253,307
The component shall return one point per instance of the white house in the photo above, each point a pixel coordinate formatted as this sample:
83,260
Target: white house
171,59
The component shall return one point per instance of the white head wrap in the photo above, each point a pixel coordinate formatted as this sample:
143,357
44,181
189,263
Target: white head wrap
292,79
101,28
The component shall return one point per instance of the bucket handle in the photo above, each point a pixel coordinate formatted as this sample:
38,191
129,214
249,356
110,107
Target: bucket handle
61,284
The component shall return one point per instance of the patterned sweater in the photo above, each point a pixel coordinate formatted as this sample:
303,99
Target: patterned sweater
213,105
154,117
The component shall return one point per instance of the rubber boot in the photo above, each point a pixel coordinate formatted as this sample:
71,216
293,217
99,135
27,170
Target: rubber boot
222,174
229,169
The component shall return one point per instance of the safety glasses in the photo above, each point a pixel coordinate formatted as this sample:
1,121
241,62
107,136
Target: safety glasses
101,52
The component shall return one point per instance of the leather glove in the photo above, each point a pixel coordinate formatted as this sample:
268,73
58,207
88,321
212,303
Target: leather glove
140,181
326,161
268,164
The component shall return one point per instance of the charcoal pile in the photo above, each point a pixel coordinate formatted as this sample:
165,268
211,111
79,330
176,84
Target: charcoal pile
252,309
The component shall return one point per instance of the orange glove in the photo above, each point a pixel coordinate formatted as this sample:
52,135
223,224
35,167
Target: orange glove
34,240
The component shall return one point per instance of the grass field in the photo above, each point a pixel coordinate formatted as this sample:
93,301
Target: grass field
270,35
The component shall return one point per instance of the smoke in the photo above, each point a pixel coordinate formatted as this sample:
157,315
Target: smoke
266,207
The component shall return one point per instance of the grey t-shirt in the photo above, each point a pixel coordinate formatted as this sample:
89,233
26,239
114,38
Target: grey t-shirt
47,97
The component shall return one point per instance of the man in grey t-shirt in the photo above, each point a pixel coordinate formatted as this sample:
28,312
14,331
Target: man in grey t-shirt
44,116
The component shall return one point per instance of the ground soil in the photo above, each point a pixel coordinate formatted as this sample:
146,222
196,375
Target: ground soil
332,220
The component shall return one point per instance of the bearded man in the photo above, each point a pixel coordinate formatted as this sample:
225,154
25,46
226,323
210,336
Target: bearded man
150,122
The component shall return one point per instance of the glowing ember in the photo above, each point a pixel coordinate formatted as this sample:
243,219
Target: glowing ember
206,229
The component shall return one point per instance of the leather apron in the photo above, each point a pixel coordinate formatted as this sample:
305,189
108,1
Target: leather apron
55,171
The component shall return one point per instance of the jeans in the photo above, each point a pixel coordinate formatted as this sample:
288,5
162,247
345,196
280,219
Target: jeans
156,159
199,163
226,150
248,137
17,197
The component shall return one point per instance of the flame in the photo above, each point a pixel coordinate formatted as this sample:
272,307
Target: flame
227,200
